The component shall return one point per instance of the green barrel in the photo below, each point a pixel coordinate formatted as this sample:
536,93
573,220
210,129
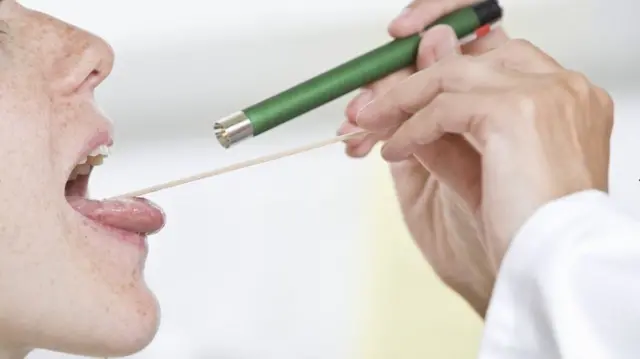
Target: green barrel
335,83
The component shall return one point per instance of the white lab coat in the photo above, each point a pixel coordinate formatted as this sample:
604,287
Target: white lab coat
569,285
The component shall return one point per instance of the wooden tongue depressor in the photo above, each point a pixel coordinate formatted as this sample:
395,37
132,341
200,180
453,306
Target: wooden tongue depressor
240,165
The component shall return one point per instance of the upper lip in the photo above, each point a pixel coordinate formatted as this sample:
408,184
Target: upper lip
100,138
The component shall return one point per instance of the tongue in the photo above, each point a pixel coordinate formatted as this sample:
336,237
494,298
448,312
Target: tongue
130,214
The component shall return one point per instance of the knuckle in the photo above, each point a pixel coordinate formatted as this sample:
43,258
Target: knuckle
441,104
526,105
521,105
405,109
412,133
390,82
518,45
456,71
605,99
606,106
384,85
522,53
427,54
462,60
397,98
578,83
571,91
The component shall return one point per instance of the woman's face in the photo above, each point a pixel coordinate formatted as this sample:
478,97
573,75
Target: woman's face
70,269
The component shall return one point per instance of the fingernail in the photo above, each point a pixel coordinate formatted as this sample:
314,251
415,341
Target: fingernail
363,102
359,149
384,153
355,152
363,99
390,154
343,130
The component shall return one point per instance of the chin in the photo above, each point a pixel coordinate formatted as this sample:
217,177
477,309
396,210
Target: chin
136,333
108,310
118,327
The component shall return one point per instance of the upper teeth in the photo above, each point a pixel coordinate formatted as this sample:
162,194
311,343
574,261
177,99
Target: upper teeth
102,151
95,158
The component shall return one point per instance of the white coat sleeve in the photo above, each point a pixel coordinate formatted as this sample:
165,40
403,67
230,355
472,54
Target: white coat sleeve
569,285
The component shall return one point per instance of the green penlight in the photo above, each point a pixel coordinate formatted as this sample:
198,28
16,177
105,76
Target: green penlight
339,81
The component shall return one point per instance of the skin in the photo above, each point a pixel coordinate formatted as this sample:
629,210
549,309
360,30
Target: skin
445,230
529,132
70,288
65,286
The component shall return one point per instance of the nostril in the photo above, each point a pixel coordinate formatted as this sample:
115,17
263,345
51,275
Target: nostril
84,66
83,76
94,78
81,64
87,82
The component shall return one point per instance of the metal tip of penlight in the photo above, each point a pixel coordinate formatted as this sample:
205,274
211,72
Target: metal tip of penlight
221,135
233,129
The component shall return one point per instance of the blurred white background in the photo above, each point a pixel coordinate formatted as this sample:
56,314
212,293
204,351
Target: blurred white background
276,261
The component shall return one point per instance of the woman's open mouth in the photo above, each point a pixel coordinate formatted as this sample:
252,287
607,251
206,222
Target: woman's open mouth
124,215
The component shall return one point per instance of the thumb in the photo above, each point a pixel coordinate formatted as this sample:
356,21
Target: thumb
437,43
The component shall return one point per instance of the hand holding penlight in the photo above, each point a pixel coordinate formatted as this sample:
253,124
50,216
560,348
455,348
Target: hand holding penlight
468,23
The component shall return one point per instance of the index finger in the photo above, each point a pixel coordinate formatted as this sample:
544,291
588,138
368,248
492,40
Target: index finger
456,74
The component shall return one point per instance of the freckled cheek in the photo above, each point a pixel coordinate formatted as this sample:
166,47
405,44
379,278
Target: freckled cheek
23,134
69,130
25,152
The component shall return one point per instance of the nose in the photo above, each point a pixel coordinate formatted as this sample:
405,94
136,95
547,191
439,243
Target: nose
88,65
100,57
